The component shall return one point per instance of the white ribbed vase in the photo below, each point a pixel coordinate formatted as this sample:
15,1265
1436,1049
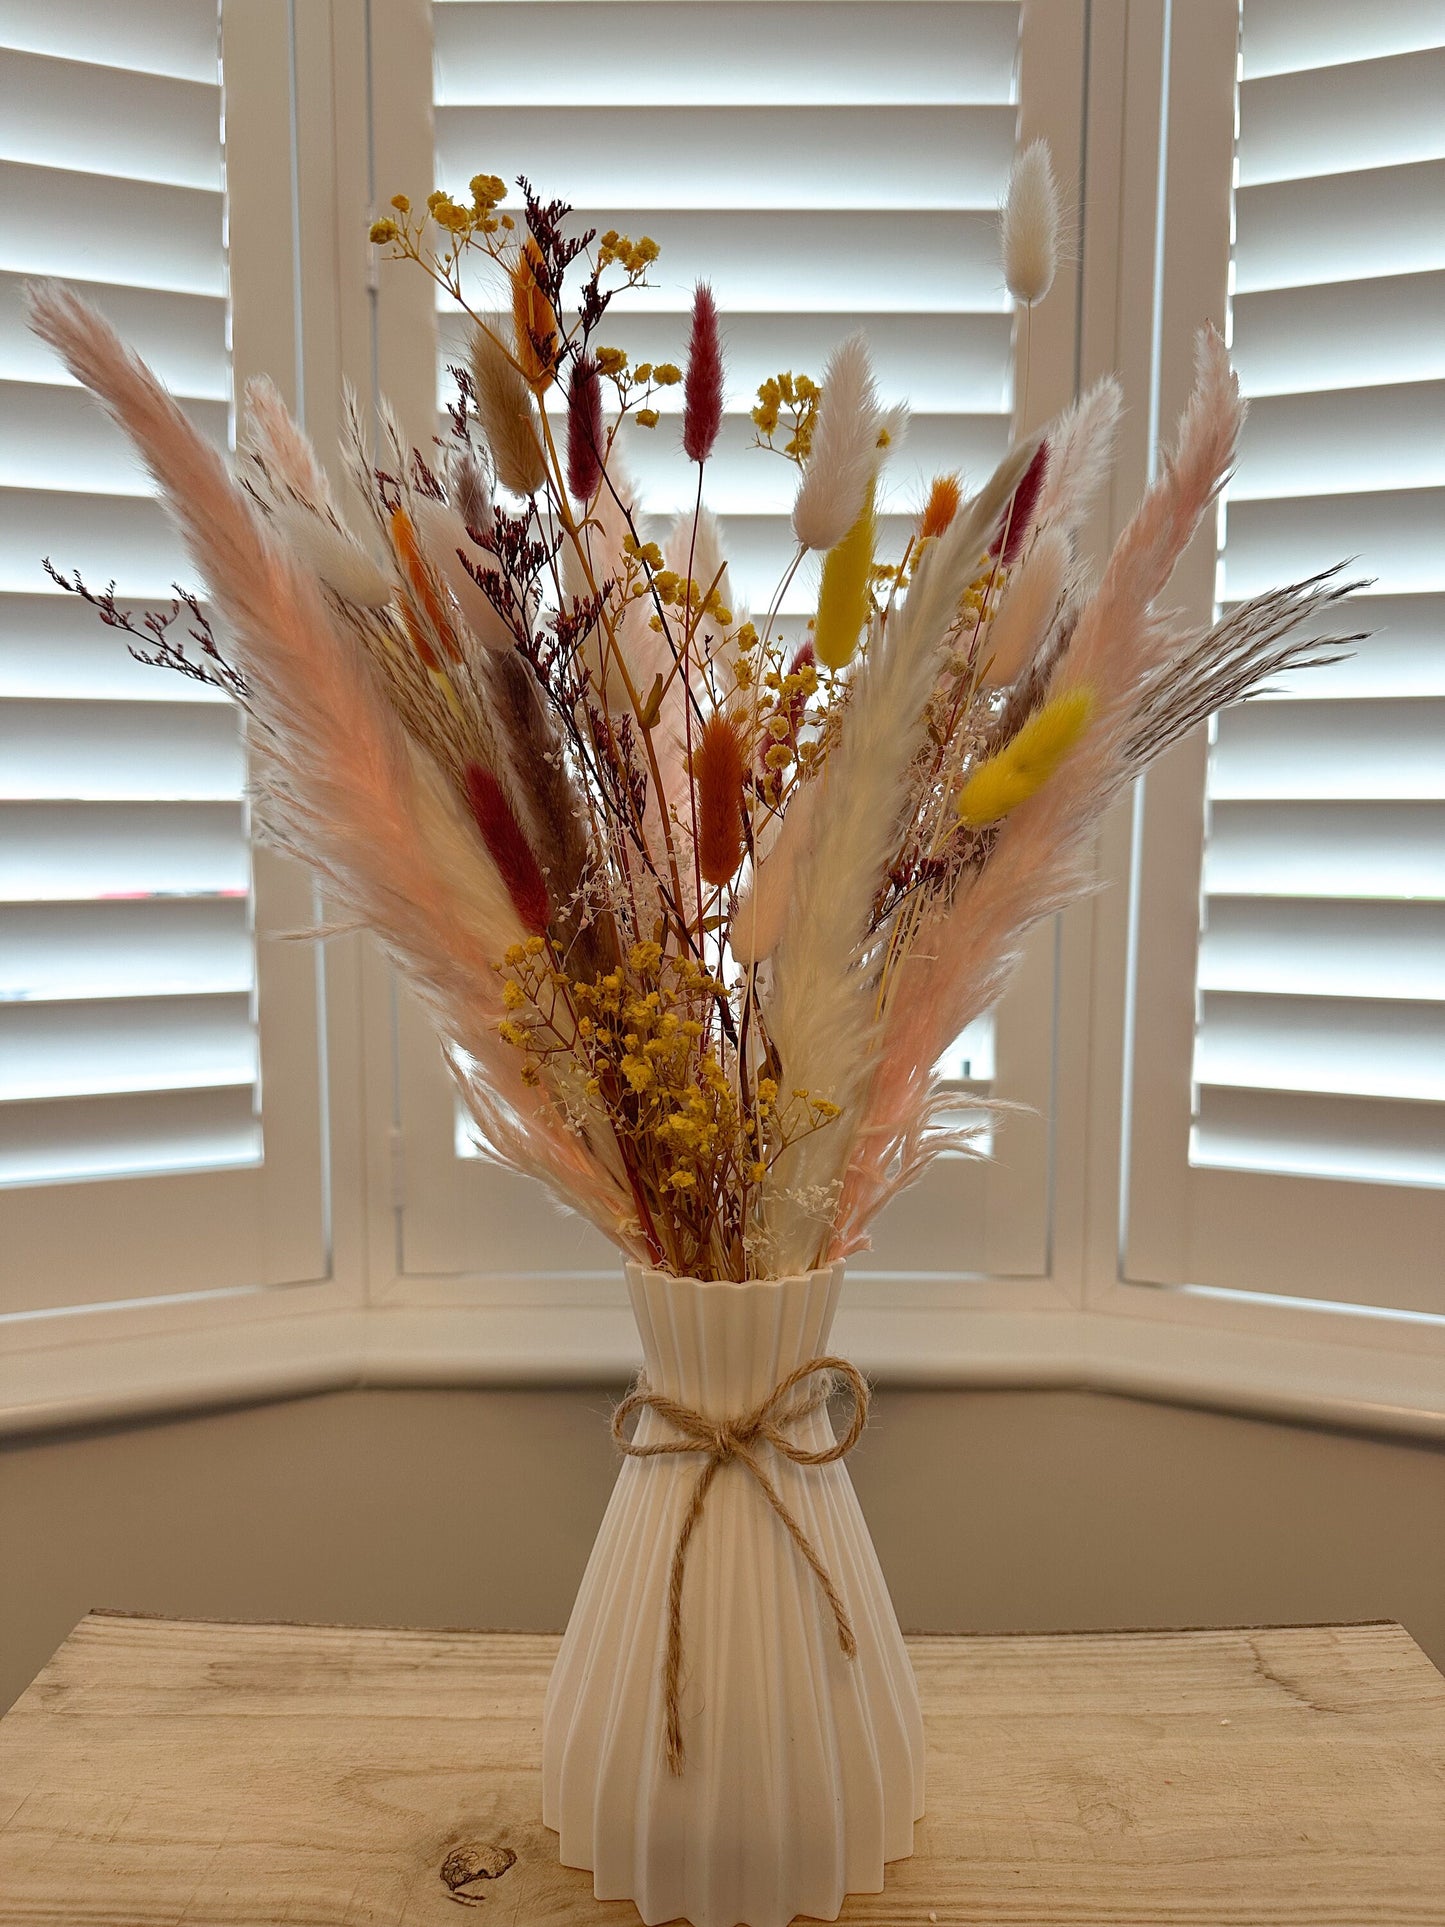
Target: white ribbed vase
804,1769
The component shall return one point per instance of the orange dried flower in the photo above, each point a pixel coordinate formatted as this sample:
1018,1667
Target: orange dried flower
424,585
536,324
942,506
717,771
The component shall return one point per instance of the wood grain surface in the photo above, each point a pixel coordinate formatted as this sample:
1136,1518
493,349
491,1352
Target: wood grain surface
166,1773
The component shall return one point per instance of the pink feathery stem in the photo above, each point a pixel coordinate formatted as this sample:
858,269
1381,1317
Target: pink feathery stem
584,429
703,393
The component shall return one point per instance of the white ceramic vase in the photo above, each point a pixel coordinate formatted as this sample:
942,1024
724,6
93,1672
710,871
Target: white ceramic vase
804,1768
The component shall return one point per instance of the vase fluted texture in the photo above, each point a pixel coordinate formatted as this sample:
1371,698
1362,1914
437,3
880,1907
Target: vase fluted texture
804,1768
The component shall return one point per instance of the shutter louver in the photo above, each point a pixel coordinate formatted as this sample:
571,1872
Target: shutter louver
127,978
1320,1048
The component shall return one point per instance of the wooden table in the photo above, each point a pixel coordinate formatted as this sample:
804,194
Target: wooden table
161,1772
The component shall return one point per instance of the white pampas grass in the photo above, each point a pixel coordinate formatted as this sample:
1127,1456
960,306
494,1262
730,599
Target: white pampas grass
291,483
820,1008
1029,225
588,569
845,453
444,536
334,554
1081,446
963,955
760,912
1028,608
508,412
1112,645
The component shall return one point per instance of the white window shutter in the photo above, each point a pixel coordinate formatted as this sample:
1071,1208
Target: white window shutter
826,167
127,1034
139,1017
1321,1041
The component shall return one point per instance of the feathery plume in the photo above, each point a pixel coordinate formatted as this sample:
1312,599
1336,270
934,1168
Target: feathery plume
509,849
341,785
508,414
761,908
703,392
445,536
1030,225
718,774
821,1008
584,429
845,449
1029,605
334,554
467,486
1081,442
288,479
844,601
1111,646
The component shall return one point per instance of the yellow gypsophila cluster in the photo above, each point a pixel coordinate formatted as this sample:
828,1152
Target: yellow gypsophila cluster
635,256
645,1038
797,397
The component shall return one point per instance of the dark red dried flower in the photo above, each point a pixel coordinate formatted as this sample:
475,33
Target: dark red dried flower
703,394
584,429
509,849
1018,516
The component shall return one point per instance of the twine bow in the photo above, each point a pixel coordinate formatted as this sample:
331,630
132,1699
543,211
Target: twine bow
726,1440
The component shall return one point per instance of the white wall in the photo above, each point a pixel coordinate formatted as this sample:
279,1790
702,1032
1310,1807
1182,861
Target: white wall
991,1510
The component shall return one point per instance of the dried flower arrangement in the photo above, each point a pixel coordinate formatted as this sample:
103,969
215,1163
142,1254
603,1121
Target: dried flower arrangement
695,911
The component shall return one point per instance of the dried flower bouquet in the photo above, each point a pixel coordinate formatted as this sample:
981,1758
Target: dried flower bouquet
695,910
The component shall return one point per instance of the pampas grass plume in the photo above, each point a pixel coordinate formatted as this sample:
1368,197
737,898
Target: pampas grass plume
843,599
1028,607
445,535
335,556
508,414
1030,225
845,449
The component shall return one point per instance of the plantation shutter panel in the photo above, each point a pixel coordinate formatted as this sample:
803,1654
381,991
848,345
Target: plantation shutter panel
827,168
127,1035
137,1015
1321,1040
1285,1129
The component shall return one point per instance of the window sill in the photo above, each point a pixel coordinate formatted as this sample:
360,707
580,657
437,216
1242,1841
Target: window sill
99,1379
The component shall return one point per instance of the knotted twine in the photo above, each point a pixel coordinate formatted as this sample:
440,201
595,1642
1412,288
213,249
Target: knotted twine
722,1441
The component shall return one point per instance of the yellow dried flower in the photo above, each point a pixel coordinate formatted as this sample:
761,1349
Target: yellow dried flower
647,418
1027,761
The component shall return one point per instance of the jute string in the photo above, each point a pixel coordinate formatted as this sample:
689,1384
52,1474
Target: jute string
722,1441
